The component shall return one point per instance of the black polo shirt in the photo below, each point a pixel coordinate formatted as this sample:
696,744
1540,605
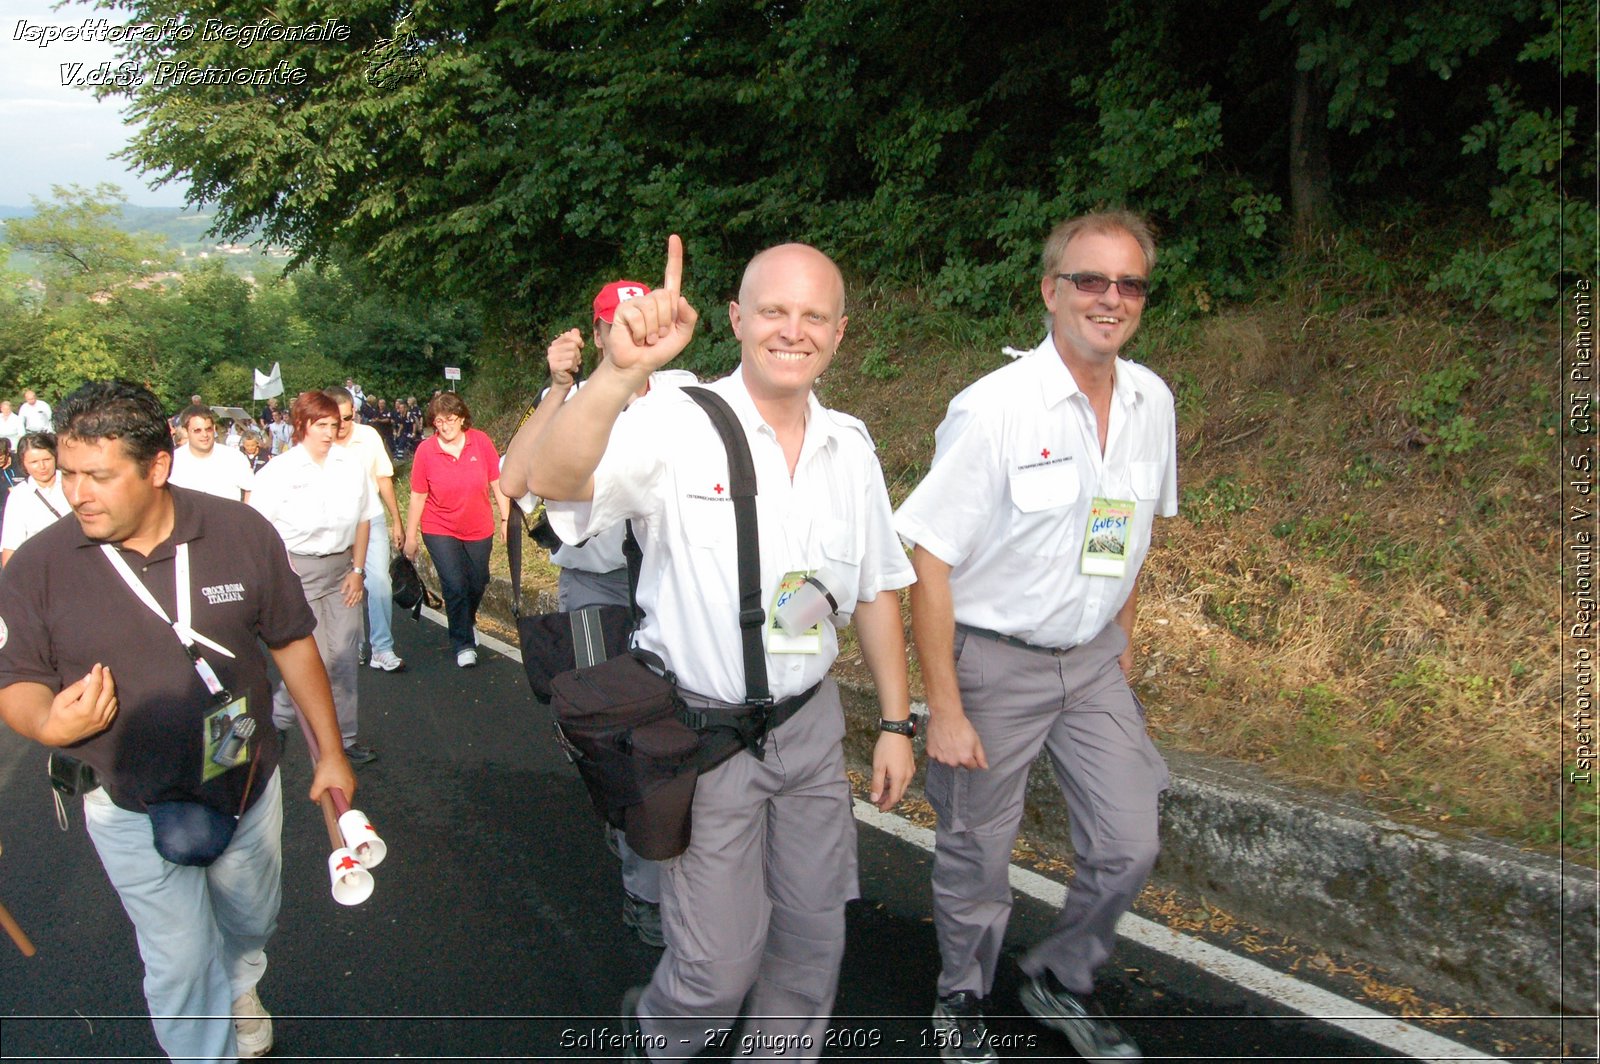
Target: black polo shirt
63,607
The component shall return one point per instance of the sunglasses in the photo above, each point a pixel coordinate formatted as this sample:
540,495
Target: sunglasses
1096,283
352,417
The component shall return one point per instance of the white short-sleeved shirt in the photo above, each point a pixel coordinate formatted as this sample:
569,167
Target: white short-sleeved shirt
316,508
224,472
35,416
11,428
367,445
665,469
1016,467
282,435
30,510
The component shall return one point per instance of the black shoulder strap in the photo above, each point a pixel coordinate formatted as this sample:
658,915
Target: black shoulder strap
742,486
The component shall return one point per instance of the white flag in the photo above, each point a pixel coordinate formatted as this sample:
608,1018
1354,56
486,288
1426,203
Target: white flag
268,384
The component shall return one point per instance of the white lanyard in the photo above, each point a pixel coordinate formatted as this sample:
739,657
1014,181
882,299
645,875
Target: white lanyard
187,635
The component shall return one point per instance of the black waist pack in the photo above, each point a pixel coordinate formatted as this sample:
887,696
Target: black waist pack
621,723
190,833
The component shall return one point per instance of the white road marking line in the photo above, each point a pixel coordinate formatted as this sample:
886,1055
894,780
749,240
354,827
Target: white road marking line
1321,1005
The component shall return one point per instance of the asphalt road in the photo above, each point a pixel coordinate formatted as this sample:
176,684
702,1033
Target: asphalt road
494,932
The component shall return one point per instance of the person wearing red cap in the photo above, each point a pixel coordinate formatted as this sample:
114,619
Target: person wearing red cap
595,573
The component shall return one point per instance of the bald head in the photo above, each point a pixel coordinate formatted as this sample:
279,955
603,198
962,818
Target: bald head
783,257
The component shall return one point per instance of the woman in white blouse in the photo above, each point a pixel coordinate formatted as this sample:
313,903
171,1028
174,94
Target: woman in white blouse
320,500
33,506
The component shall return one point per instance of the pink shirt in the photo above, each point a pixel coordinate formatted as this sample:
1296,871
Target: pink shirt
457,488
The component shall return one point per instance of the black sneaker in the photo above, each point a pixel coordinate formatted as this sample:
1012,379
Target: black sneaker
1079,1017
959,1030
360,755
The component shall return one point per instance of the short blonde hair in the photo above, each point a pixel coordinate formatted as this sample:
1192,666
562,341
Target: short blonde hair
1055,245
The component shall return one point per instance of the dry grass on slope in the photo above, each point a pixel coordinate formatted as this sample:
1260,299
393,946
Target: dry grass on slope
1358,591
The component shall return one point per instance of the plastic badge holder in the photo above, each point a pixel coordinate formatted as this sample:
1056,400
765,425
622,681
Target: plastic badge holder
811,602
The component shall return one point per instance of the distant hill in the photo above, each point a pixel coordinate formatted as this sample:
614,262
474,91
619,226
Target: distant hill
184,230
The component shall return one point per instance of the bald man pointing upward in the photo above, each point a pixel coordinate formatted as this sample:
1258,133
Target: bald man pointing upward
753,911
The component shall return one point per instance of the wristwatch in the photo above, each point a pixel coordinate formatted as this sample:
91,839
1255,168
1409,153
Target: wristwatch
359,571
907,727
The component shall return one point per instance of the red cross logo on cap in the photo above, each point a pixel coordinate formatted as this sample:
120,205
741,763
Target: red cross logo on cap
717,489
346,863
1045,453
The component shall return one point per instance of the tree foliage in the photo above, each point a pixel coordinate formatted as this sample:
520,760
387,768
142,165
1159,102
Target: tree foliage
80,248
517,153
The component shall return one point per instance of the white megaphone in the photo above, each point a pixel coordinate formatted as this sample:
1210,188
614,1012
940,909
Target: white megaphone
352,883
361,838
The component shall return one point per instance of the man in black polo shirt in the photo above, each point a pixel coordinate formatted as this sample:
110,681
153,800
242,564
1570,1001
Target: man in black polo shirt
170,705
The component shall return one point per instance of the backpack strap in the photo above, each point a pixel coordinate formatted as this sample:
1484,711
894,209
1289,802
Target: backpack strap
742,486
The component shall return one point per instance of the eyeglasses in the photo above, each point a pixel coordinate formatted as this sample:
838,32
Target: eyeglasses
1096,283
352,417
447,419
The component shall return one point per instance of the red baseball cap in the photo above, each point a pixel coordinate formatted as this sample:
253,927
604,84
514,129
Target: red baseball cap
605,304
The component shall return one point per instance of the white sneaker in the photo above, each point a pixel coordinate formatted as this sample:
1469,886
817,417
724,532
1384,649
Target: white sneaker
387,660
252,1025
467,658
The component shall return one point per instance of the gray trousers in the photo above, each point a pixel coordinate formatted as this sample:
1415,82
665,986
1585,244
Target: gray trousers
338,638
1079,708
576,589
753,910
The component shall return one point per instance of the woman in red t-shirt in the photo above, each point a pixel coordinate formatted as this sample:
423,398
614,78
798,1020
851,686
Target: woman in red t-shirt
454,475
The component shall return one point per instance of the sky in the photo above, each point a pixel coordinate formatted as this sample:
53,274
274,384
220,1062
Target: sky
56,135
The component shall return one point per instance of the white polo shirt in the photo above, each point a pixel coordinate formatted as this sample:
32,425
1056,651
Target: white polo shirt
665,468
224,472
30,510
1016,468
316,508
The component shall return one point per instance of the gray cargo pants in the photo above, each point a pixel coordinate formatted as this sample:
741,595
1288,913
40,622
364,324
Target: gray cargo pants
1077,705
753,910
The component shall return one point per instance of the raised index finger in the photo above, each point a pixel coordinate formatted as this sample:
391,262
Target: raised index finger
673,280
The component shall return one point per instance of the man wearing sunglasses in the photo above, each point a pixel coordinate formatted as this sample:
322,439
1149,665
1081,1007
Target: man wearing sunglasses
1028,534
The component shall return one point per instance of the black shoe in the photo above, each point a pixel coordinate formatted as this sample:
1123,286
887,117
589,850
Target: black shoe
1079,1017
959,1030
360,755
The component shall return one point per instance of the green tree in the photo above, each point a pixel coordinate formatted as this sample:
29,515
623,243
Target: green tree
80,250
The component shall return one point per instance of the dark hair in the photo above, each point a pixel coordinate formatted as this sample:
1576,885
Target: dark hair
194,412
449,404
37,441
309,407
115,410
340,395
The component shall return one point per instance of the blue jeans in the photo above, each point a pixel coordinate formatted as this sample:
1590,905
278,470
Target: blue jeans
202,932
463,568
380,593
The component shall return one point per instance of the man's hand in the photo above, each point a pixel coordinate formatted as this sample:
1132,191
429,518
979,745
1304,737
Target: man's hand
412,545
351,588
565,358
953,741
333,770
397,535
82,709
651,330
893,765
